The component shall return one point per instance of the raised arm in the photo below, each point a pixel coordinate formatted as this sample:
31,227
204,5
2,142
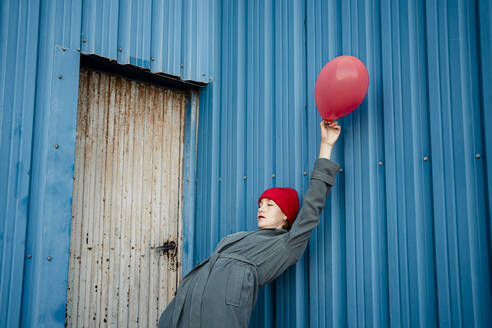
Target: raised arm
321,181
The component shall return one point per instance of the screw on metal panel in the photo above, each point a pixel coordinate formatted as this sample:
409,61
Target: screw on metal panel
63,49
220,179
477,156
60,76
380,163
244,178
84,40
120,49
203,74
182,65
273,175
57,146
211,78
426,158
341,170
49,258
29,256
188,180
153,58
305,173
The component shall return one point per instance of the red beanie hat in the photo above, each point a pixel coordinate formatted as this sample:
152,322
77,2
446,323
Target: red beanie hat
286,199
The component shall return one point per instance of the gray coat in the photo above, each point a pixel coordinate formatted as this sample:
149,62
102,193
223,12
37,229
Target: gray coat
222,290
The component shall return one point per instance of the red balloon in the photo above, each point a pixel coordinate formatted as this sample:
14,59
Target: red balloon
340,87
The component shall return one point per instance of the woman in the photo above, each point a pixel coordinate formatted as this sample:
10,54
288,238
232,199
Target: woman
222,290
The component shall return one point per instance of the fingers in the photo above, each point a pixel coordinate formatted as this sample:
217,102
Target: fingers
330,123
335,125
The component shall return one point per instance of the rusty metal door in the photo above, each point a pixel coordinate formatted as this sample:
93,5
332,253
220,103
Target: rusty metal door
126,202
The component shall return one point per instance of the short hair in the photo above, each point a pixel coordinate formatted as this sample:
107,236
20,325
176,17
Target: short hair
286,225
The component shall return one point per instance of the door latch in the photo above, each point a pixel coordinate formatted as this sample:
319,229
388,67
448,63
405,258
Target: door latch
170,249
168,245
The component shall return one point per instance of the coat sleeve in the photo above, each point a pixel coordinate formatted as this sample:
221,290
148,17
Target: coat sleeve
322,179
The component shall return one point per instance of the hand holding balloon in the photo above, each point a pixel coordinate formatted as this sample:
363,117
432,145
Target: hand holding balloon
330,131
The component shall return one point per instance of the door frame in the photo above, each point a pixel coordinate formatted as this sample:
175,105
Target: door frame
192,88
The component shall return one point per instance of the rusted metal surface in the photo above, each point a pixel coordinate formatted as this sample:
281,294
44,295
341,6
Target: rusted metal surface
126,202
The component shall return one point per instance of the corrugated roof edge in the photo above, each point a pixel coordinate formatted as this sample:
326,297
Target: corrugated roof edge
138,74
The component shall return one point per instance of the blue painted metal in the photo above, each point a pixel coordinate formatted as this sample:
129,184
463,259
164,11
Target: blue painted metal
48,231
48,228
189,180
404,243
174,37
485,81
18,35
461,210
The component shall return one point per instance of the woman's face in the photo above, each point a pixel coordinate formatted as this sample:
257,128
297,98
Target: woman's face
270,215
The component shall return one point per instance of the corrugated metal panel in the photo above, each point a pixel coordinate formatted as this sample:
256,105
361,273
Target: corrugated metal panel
126,202
458,176
19,25
348,252
189,180
48,229
405,237
253,136
50,195
173,37
485,76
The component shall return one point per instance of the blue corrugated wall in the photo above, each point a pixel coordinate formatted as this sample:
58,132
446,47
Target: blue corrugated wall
405,235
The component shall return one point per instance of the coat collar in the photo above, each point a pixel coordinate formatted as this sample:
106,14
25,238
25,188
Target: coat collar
234,238
231,239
